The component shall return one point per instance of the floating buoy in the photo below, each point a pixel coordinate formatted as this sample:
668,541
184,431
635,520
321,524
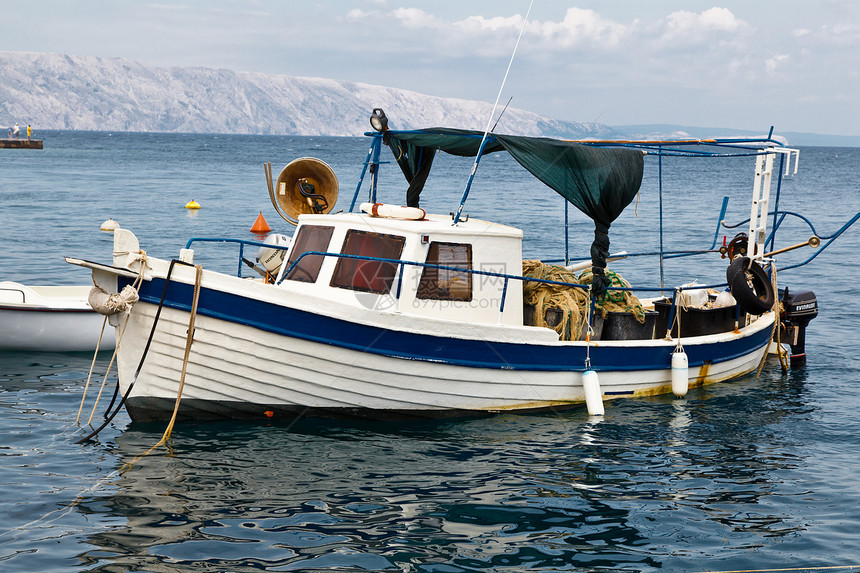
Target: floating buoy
110,226
192,205
593,395
260,225
680,374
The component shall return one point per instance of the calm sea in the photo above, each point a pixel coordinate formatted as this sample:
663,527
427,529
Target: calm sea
759,474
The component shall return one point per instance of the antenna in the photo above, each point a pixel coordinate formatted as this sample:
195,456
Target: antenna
490,121
501,114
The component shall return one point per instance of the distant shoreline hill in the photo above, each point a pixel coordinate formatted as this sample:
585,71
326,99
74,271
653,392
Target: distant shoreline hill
81,93
54,91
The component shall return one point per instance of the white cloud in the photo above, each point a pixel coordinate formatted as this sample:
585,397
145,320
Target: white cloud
847,33
582,26
479,24
698,27
775,61
577,27
417,18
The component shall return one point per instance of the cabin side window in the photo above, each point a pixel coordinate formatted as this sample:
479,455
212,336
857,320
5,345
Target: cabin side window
363,275
447,284
309,238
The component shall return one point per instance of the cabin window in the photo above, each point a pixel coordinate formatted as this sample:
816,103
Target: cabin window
363,275
309,238
447,284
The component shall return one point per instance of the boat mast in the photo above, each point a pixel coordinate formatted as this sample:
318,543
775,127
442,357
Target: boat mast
490,121
372,162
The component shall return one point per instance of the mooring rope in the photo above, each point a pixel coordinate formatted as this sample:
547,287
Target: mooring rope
136,287
775,329
92,367
111,415
189,339
107,372
679,301
127,466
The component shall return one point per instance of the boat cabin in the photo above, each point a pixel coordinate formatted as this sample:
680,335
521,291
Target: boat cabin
419,274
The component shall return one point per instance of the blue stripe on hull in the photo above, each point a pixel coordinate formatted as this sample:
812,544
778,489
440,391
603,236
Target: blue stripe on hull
290,322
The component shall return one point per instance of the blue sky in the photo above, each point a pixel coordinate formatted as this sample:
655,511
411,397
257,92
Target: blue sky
794,64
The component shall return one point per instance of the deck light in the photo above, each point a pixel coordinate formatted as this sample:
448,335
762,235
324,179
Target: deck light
378,120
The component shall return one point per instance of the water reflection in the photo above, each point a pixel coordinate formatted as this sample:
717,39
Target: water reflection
506,492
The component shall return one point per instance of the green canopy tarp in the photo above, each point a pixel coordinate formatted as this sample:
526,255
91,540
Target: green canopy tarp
600,182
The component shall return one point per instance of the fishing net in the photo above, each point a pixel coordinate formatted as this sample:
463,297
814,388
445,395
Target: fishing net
572,302
616,300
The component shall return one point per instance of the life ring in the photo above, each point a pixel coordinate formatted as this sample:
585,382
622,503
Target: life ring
750,286
393,211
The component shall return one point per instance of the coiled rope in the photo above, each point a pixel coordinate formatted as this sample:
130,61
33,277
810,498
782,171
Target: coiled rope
572,301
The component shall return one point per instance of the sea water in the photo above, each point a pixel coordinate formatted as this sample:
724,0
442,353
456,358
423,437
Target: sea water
755,474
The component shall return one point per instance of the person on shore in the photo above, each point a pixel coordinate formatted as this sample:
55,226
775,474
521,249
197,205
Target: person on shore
16,131
29,132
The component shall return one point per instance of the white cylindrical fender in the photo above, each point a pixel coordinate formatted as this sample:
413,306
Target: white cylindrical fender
593,395
104,303
680,374
393,211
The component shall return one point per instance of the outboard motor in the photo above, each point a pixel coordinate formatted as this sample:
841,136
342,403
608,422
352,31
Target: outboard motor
798,309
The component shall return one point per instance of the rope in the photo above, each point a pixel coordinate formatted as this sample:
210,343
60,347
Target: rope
775,329
126,467
189,339
136,286
90,374
680,305
589,332
616,300
111,415
573,302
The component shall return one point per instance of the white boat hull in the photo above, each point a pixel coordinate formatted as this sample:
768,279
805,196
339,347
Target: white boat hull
237,370
51,319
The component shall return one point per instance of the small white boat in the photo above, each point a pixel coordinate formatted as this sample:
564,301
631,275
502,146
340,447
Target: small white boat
51,319
387,311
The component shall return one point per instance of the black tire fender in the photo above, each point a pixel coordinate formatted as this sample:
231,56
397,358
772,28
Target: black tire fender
750,286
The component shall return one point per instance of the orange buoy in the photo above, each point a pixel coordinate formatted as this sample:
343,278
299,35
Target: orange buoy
260,225
192,205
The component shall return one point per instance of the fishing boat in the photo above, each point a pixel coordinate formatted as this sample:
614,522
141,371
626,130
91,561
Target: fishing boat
50,318
386,311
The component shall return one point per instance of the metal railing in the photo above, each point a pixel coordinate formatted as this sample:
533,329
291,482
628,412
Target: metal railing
23,295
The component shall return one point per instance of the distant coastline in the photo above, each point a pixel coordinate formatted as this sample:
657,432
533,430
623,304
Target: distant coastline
794,138
82,93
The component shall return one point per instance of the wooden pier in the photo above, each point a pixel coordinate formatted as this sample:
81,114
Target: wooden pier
8,143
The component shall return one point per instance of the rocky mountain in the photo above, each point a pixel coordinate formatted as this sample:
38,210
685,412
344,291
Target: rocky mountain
54,91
